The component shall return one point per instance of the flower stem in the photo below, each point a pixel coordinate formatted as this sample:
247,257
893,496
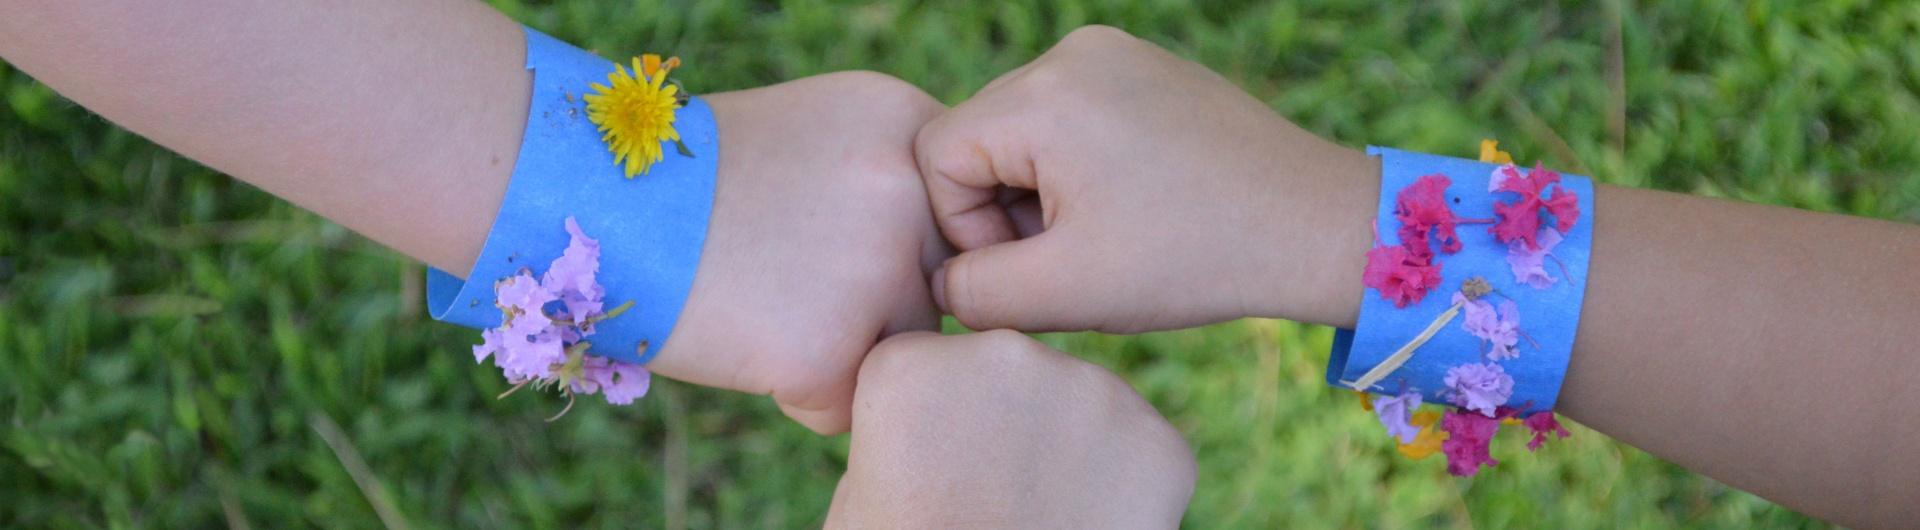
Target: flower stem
510,391
563,411
616,311
1393,362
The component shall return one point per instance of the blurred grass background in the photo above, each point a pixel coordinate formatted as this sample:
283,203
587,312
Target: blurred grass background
180,350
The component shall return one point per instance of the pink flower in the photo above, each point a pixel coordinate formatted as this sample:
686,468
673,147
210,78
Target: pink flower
1520,221
1422,207
1469,437
1542,424
1396,412
1501,329
1529,261
1403,276
1480,387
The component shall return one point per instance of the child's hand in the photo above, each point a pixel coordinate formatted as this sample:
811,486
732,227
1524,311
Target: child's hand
819,244
1169,198
993,429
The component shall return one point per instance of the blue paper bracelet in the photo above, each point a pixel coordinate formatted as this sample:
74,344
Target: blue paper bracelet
651,228
1547,315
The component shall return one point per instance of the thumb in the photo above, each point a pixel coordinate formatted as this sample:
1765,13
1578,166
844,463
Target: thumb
1042,283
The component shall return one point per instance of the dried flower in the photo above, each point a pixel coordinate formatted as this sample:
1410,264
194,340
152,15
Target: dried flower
1542,424
1429,440
1402,276
1529,262
1479,386
1490,152
1468,441
1520,221
1501,328
1421,208
546,347
1395,412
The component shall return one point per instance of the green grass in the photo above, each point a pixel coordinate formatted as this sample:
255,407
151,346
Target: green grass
172,342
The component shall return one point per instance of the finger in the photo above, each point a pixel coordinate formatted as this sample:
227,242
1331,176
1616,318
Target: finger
1036,284
829,420
1024,210
966,156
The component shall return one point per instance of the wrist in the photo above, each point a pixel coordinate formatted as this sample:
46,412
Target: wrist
1313,248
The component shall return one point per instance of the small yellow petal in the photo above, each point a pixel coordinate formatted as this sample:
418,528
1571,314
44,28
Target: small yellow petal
1426,443
1491,153
650,65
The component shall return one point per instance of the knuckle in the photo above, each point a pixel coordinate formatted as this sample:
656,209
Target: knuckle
1006,340
1096,36
893,365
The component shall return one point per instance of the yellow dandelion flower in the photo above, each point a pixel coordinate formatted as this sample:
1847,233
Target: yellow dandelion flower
635,115
1490,152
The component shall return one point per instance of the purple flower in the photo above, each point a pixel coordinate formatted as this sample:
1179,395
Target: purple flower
1396,412
620,382
522,294
530,347
535,345
1479,387
1529,264
572,277
1501,328
628,382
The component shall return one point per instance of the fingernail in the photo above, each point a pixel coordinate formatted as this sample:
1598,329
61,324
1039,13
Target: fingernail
940,288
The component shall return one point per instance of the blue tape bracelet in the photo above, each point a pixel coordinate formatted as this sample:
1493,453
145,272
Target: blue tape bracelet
1473,286
651,227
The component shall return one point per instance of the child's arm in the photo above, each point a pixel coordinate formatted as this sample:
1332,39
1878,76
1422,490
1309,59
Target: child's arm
399,120
1771,348
402,121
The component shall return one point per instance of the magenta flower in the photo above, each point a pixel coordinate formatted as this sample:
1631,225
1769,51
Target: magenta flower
1542,424
1396,413
1529,263
1469,437
1521,220
1422,210
1479,387
1402,274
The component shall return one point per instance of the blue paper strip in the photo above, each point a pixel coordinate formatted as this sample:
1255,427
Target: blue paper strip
651,228
1549,317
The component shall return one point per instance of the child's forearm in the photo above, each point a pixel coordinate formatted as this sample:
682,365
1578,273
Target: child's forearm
1767,347
399,120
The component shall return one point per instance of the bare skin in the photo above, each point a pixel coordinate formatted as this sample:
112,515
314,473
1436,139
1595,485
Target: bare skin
996,430
1766,347
402,121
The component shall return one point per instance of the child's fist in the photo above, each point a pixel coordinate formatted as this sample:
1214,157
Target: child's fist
994,429
1161,194
819,243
